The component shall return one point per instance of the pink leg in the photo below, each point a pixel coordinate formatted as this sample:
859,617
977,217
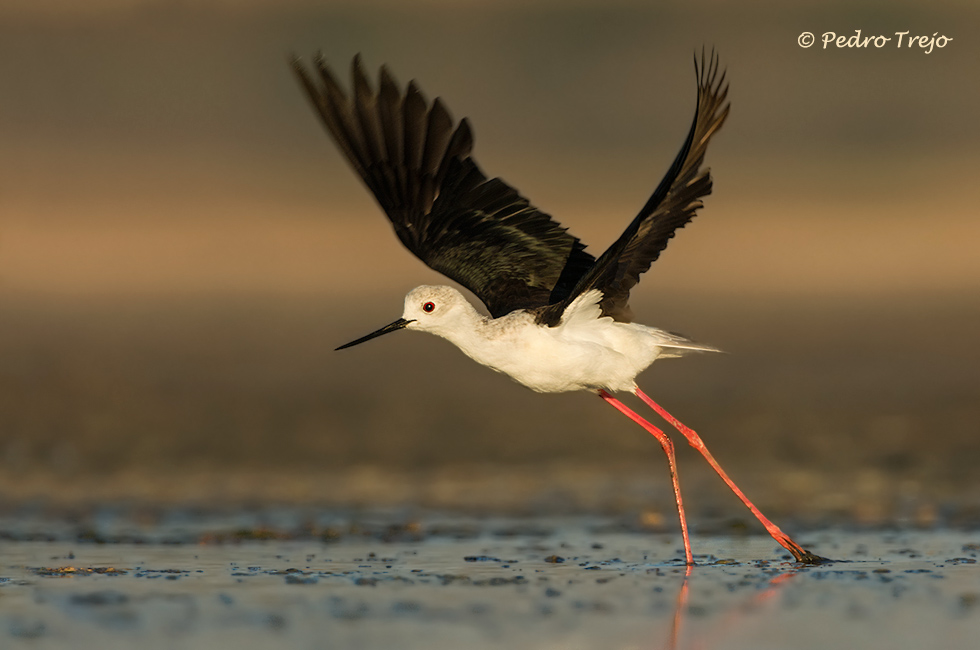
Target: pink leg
668,447
801,554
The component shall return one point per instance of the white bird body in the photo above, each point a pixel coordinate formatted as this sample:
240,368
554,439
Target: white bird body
586,351
560,317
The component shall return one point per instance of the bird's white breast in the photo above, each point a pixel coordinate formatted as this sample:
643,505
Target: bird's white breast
576,355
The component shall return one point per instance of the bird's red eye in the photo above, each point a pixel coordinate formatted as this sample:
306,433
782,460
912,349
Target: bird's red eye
428,307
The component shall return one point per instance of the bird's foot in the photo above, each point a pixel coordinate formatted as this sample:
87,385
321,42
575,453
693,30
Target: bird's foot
811,559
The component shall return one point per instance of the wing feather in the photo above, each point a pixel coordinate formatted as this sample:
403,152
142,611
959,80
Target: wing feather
671,206
480,232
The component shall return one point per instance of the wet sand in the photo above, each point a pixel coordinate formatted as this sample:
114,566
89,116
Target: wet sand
378,580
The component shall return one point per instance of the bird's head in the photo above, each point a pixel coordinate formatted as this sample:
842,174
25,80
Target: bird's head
428,308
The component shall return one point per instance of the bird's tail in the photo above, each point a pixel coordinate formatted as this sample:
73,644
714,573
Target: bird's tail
675,345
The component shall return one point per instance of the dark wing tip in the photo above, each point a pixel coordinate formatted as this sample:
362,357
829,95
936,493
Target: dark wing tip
386,79
357,71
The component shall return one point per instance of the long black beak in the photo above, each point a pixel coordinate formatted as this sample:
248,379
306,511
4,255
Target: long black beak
397,325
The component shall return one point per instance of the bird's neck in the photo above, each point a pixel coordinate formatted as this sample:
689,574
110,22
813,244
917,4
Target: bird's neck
467,330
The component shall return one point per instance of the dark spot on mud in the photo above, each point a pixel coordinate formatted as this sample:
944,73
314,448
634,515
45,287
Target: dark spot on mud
169,574
498,581
99,598
276,621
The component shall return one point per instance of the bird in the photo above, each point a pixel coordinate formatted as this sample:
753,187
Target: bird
559,318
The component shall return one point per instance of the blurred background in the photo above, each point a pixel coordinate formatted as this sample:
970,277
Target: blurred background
181,248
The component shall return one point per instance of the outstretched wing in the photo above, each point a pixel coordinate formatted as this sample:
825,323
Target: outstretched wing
480,232
672,205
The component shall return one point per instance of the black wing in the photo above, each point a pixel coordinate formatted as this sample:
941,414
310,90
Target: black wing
480,232
672,205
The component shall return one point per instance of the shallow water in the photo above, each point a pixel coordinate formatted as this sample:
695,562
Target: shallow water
458,582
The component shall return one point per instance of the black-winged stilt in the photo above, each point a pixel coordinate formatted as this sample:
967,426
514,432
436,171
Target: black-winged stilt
560,319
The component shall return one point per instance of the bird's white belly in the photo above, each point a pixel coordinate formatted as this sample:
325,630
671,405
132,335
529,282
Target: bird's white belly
555,360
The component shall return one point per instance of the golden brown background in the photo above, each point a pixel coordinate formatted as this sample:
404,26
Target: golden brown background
181,248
